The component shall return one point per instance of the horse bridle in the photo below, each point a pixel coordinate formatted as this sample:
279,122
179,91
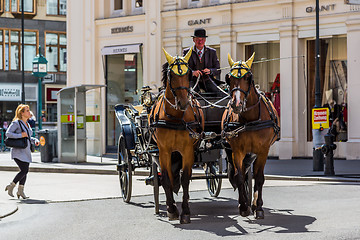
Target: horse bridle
177,63
239,67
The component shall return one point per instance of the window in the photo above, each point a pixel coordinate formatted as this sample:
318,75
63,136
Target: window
10,49
29,7
7,6
118,4
56,52
56,7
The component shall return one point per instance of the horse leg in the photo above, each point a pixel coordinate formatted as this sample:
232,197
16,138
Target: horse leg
188,161
259,182
244,208
166,182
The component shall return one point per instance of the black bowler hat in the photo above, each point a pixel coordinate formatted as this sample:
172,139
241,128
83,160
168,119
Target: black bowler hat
200,32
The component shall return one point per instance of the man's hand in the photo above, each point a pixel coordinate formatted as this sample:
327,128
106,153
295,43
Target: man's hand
24,134
197,73
206,71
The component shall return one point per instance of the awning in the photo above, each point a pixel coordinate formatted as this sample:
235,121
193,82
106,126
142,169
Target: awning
122,49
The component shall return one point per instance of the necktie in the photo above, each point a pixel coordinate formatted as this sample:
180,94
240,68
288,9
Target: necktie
199,53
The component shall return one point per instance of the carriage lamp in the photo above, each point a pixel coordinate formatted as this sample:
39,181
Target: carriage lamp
39,71
147,99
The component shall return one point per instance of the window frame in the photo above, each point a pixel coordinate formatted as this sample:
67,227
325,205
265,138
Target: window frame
58,10
58,46
2,6
18,11
20,48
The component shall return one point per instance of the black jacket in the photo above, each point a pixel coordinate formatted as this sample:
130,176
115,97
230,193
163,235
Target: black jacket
210,61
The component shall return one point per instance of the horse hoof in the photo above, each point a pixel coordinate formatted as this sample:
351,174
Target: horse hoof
245,213
259,215
185,219
173,216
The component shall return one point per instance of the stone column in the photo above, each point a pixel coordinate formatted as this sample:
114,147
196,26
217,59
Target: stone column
353,96
288,90
152,44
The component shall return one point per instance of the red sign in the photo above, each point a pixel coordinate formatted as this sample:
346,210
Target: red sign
320,116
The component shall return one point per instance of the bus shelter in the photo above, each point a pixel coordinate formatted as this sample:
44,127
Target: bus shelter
79,122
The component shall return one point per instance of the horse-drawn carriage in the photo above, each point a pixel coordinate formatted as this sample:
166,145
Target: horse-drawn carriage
172,132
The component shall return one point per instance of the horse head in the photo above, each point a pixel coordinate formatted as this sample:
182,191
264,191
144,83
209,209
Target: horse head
240,81
178,76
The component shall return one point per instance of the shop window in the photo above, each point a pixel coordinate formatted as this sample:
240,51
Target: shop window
29,7
333,83
10,49
56,7
266,69
7,5
56,51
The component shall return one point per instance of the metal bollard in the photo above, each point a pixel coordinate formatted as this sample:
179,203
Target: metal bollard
328,149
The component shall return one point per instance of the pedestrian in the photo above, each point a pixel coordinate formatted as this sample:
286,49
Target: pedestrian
32,120
19,128
204,62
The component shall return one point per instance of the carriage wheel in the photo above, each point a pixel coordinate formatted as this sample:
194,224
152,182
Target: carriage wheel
214,183
125,170
248,186
156,186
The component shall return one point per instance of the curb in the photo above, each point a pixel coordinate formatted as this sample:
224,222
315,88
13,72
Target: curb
145,172
10,213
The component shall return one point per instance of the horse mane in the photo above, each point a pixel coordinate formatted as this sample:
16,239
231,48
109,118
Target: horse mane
164,73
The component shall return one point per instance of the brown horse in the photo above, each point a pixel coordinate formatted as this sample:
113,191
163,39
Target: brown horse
251,126
177,122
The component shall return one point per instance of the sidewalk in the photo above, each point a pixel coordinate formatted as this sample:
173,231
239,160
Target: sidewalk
288,170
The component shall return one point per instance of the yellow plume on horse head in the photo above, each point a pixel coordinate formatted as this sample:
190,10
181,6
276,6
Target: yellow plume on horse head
183,69
246,66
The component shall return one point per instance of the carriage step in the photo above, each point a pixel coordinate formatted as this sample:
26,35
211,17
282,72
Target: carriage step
150,180
209,177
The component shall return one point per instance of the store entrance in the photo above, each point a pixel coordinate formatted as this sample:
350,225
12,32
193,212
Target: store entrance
124,81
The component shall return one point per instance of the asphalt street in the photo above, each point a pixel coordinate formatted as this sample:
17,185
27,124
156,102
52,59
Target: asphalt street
293,210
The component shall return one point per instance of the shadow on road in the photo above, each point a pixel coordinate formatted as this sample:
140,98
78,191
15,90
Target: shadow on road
220,216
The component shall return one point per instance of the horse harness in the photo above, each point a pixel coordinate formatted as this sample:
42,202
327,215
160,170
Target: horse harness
232,129
176,123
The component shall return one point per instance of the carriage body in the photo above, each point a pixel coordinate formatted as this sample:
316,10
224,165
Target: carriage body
137,149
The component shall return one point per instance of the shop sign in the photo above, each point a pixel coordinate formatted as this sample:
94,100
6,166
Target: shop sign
10,92
122,29
122,49
329,7
320,118
199,21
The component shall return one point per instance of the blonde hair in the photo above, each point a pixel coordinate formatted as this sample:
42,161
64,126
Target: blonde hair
19,111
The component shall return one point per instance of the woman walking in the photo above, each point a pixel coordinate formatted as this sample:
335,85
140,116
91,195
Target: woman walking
19,128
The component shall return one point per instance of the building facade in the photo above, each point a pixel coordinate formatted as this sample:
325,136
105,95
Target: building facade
119,42
44,26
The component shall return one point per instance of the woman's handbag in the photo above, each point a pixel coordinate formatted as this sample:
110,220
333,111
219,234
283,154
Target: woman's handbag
17,142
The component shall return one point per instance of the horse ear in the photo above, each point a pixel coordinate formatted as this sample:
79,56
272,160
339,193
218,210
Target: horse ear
250,60
188,54
231,62
169,58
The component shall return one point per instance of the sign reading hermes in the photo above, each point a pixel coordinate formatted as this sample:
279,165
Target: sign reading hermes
122,29
199,21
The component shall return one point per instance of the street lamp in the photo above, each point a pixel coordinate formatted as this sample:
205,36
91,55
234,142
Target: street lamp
39,71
